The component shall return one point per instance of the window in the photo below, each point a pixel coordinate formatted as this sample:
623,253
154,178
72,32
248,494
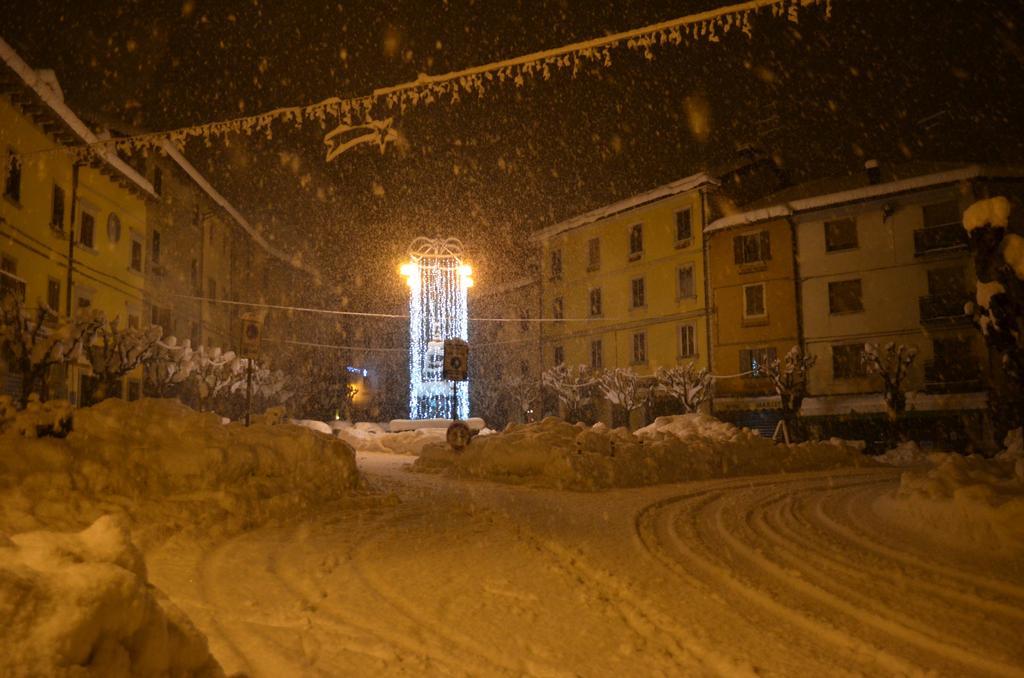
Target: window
684,228
685,288
8,265
844,296
593,254
753,360
595,302
84,302
133,321
211,288
559,355
687,341
194,275
848,361
134,389
596,360
53,294
155,254
136,258
12,182
638,298
9,280
752,248
941,214
114,228
753,301
57,208
840,234
636,241
556,308
524,321
639,348
88,232
158,181
556,264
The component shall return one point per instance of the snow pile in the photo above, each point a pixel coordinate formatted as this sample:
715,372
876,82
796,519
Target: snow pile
994,211
52,417
398,425
905,454
672,449
79,604
168,468
368,437
978,500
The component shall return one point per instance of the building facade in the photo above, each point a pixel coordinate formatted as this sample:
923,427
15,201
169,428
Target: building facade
625,284
869,261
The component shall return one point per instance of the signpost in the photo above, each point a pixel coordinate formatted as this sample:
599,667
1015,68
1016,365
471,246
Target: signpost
252,334
456,369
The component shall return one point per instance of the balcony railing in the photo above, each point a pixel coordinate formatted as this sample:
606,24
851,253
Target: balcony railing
943,308
946,238
957,375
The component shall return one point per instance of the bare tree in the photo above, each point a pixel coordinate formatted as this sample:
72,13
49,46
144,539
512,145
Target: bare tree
169,365
892,364
621,387
116,351
573,386
32,342
686,383
789,378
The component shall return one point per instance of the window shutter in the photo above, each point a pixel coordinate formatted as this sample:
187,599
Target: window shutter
737,248
766,247
744,360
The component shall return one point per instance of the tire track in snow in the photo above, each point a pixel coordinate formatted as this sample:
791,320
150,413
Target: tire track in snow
730,533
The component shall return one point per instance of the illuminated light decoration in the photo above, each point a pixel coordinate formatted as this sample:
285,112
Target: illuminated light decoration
438,280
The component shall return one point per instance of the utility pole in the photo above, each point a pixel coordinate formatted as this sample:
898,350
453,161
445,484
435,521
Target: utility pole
68,369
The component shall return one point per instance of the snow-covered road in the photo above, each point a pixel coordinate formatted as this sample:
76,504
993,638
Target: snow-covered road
801,574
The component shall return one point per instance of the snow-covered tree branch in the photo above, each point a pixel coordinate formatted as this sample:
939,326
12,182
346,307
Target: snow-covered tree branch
789,378
572,386
33,341
169,365
621,387
115,351
686,383
892,364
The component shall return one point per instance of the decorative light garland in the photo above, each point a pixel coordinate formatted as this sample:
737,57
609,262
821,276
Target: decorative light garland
368,112
438,280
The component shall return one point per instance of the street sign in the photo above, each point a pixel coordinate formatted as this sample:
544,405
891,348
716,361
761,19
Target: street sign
456,360
252,332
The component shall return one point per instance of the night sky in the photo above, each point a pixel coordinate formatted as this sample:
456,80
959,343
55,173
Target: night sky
901,80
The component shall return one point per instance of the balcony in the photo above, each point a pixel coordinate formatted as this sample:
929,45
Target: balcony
943,309
952,375
940,239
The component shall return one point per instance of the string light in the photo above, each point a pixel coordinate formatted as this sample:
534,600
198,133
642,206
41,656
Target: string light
438,281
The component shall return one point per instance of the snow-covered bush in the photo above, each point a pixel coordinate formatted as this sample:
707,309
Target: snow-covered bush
214,372
572,386
78,604
38,418
621,387
689,385
34,341
789,379
322,390
998,308
892,364
115,351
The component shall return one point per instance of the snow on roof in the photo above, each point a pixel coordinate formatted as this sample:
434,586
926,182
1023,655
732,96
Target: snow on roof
174,154
676,187
863,193
39,84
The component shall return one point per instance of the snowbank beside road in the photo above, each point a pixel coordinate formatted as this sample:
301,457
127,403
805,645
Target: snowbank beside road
168,468
979,501
79,604
672,449
373,438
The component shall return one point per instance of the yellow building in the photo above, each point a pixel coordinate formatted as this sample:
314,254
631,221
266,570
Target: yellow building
626,283
48,201
754,319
